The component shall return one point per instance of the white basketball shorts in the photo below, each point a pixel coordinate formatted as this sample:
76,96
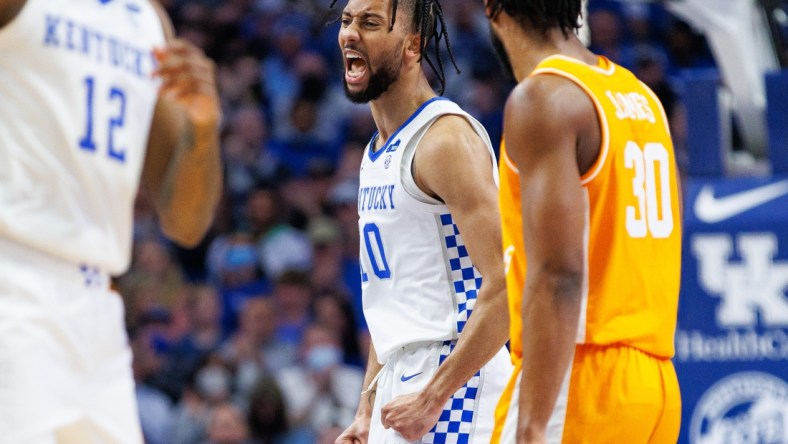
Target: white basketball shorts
65,362
469,415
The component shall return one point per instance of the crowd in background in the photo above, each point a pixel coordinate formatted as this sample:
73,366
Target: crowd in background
257,335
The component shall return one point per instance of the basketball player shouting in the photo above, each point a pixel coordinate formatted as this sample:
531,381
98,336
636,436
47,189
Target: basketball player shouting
429,232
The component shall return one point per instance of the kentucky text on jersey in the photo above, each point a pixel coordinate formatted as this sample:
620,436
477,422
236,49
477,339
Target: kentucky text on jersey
376,198
66,34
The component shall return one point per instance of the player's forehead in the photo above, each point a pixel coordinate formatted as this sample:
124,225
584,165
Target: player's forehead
380,8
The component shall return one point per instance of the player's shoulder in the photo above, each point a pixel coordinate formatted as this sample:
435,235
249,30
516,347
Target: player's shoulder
451,125
450,133
549,100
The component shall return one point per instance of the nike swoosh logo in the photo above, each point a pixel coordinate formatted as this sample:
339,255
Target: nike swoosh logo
712,209
408,378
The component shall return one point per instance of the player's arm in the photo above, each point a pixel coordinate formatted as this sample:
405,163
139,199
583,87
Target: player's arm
358,431
182,170
9,10
543,120
453,162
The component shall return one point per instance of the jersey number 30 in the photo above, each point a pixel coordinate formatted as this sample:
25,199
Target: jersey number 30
654,211
377,257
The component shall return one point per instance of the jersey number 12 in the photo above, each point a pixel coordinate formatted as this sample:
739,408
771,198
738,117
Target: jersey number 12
117,98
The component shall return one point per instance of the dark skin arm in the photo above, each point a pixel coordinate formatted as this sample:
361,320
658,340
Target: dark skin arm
452,163
552,134
182,171
9,10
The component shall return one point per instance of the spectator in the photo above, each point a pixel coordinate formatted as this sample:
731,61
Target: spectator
328,250
155,409
268,416
293,297
279,78
605,27
243,145
254,350
204,337
280,246
318,390
191,414
343,201
334,312
239,276
306,195
686,48
153,266
308,133
651,66
227,426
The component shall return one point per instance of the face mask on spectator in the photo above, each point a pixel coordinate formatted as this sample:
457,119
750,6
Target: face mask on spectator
213,382
322,357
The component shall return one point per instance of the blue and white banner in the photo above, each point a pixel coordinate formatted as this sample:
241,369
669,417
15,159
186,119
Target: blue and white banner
732,335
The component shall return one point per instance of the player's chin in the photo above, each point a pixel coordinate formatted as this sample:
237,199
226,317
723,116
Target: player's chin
356,93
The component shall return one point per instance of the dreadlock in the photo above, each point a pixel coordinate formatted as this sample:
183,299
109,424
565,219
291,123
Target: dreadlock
542,14
427,19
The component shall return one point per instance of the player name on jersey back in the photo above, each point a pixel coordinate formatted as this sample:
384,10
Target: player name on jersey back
631,105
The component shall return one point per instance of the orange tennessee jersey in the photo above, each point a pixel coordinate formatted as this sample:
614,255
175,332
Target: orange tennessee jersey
633,221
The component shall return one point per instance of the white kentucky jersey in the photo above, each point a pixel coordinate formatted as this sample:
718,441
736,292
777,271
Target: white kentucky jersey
76,102
417,279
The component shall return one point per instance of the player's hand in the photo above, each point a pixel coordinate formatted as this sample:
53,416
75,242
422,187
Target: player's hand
189,78
411,415
356,433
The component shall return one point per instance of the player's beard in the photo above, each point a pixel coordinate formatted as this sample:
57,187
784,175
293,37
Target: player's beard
503,57
380,79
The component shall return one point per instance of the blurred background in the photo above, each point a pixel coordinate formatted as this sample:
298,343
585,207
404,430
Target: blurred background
257,335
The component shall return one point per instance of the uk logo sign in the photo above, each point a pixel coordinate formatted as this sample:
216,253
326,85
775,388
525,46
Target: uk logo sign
750,289
744,273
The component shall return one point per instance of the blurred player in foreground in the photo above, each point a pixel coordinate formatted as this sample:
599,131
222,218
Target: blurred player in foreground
94,96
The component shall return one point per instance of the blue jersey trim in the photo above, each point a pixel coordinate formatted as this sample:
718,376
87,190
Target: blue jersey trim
374,155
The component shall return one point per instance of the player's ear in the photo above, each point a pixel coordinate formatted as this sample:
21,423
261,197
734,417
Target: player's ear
413,48
487,8
494,18
413,45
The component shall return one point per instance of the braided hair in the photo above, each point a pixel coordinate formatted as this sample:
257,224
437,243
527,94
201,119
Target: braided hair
542,14
428,20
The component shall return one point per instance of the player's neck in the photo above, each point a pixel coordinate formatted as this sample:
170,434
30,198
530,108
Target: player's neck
397,104
533,48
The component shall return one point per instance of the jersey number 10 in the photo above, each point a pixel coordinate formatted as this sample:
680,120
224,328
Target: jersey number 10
651,185
118,98
377,257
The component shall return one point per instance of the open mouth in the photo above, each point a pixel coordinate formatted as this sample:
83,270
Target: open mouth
355,67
